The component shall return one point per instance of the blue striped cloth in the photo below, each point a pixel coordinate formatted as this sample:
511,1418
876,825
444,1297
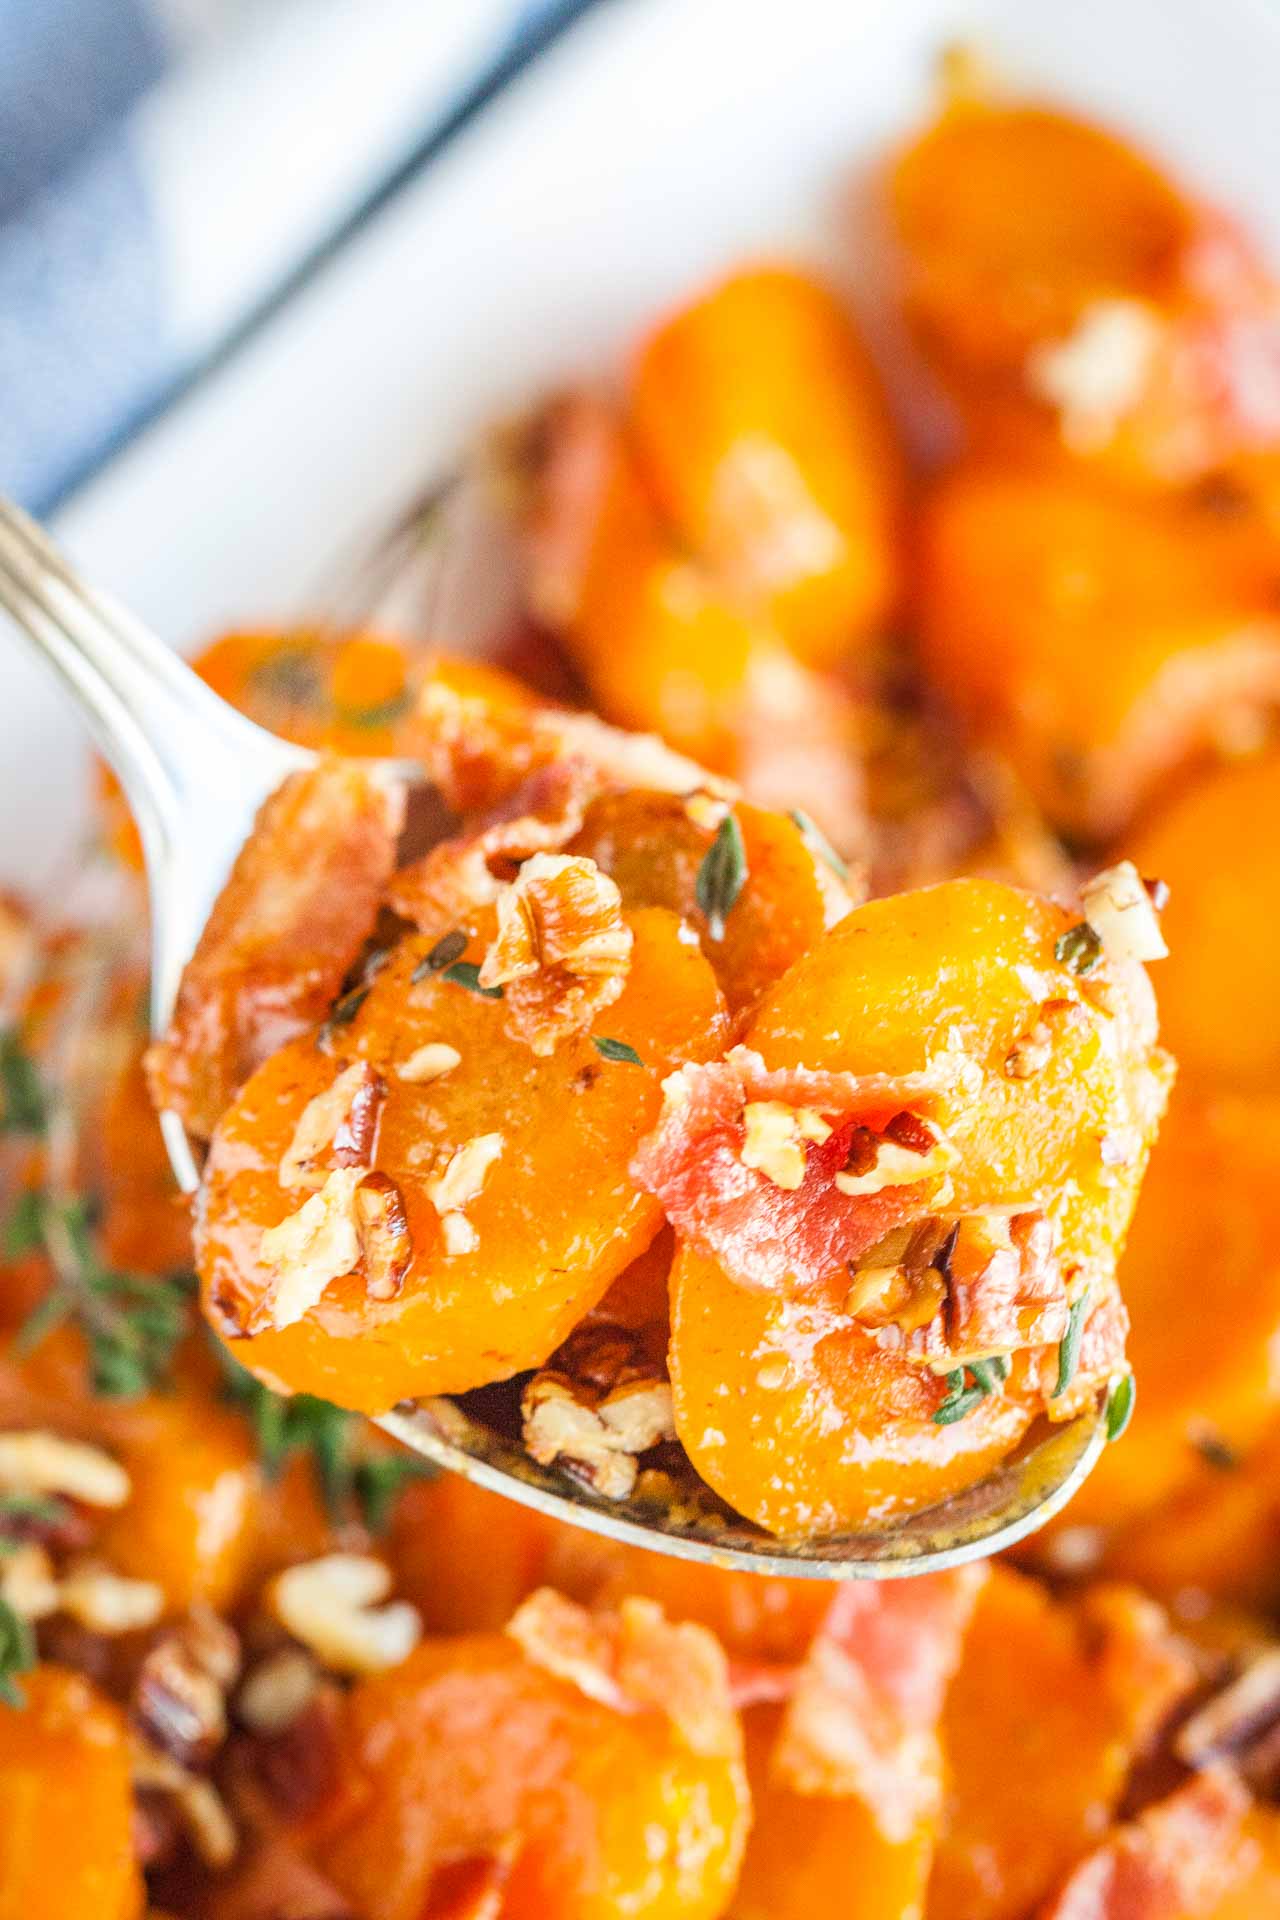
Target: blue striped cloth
165,165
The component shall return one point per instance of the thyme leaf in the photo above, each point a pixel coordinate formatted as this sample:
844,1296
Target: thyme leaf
23,1107
1079,948
1120,1406
1069,1346
17,1653
722,875
465,973
616,1050
819,842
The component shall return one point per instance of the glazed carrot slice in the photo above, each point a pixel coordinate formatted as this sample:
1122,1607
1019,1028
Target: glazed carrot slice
1100,643
66,1836
544,1214
814,1328
1209,1206
1217,847
1080,307
531,1759
759,422
655,845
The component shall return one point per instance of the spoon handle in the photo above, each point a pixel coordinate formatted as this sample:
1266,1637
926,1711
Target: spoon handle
193,770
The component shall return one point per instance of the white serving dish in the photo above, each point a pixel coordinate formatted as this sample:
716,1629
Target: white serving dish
658,140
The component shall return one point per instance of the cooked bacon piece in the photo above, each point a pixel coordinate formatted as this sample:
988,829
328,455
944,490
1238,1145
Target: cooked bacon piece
562,949
863,1719
1003,1291
284,933
635,1661
765,1234
1173,1863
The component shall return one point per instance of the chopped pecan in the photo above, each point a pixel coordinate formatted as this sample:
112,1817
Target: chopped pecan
106,1602
309,1250
335,1129
597,1430
36,1462
179,1700
331,1606
277,1690
196,1802
774,1137
386,1249
562,948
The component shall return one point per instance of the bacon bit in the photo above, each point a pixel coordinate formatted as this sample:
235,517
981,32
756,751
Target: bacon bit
386,1249
428,1064
562,949
1142,1663
308,1251
634,1661
1177,1859
863,1718
1237,1716
335,1129
285,931
764,1234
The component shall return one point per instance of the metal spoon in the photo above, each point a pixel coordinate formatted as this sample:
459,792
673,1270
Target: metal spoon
195,773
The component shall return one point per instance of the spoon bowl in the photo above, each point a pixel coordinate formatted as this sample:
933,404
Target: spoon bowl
195,773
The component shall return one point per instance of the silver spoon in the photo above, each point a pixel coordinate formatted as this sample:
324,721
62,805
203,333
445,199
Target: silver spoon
195,773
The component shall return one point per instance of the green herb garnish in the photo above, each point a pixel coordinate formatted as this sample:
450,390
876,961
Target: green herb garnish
17,1653
819,842
722,876
290,677
131,1322
616,1050
383,713
1079,948
465,973
448,948
350,1480
1214,1450
23,1108
1069,1346
1120,1406
985,1377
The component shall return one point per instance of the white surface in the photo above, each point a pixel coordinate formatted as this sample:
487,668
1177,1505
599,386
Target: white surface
659,140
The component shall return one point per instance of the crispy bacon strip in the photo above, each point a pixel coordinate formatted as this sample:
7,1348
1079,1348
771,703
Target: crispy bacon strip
286,929
862,1721
1175,1861
762,1235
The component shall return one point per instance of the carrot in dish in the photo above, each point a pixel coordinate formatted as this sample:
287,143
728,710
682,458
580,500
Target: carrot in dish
1218,849
576,1765
758,421
1101,644
497,1205
66,1804
936,1061
1077,304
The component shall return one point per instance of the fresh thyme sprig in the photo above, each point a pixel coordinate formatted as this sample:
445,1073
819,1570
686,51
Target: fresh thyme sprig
353,1481
17,1653
985,1377
131,1322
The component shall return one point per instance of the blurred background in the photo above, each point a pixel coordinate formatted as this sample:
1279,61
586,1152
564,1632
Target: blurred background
170,169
